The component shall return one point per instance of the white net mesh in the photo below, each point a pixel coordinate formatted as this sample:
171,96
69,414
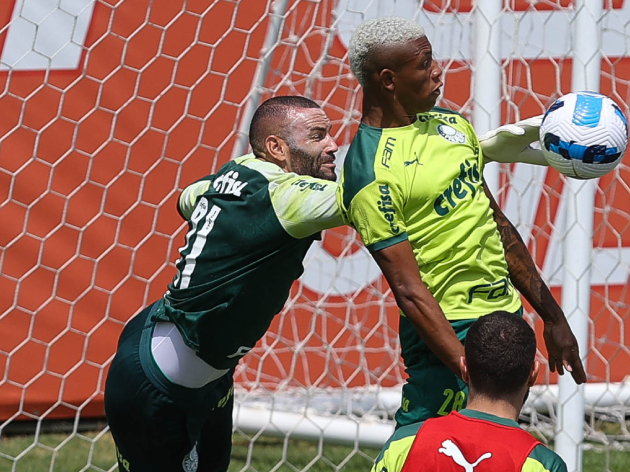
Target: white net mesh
109,108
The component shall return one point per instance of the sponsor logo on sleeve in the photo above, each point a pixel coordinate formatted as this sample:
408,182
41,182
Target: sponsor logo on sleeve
309,185
386,206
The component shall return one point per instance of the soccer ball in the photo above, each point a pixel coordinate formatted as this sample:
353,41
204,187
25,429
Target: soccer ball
584,135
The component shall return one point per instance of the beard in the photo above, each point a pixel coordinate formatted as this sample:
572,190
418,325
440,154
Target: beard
305,163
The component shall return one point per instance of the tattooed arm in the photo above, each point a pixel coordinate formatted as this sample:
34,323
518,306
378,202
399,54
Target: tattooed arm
562,347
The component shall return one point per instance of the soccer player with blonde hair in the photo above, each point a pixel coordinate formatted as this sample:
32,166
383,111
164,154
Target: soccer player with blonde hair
412,186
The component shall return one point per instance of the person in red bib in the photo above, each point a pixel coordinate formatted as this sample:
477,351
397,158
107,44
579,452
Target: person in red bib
499,367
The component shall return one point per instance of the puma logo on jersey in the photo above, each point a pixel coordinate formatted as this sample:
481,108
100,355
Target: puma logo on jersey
450,449
415,161
228,183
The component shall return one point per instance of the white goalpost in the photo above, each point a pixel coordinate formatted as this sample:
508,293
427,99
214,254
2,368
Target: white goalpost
111,108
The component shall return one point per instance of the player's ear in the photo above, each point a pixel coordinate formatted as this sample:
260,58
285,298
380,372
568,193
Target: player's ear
276,148
534,374
463,367
386,77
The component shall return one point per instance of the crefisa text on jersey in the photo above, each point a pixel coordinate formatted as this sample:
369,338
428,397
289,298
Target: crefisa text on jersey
228,183
454,193
386,207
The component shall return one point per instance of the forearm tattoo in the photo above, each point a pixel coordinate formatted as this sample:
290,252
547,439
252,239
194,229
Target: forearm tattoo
522,269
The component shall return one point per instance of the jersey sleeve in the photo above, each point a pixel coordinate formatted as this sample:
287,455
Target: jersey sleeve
542,459
188,197
305,205
394,454
376,212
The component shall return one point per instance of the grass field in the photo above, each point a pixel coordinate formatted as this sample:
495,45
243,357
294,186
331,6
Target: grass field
266,454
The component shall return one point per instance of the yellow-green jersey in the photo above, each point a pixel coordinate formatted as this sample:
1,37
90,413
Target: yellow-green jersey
468,440
423,182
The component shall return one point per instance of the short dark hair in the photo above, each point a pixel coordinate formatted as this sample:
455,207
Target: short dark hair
500,350
271,117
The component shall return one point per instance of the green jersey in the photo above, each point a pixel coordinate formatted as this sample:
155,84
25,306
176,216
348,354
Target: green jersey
423,182
250,226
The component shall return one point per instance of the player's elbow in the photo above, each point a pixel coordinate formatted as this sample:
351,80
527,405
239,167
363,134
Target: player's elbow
407,296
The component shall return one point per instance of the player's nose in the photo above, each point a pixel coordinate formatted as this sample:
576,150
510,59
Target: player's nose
332,145
437,70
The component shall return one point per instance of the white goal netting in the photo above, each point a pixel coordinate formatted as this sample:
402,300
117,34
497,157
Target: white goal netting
110,108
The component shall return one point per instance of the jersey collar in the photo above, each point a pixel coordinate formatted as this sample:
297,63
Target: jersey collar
478,415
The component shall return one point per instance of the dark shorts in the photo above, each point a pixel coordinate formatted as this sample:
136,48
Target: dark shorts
432,389
157,425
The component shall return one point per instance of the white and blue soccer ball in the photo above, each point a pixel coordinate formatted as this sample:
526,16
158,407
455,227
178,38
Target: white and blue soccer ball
584,135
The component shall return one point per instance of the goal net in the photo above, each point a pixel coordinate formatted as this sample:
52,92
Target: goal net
110,108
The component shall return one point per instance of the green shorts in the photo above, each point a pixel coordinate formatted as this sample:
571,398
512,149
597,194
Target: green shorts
160,426
432,389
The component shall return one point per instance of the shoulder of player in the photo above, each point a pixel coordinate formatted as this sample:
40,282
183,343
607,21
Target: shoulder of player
245,173
370,152
252,168
401,440
188,196
543,459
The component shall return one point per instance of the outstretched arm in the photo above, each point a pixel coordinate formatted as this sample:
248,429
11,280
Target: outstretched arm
418,304
562,347
511,143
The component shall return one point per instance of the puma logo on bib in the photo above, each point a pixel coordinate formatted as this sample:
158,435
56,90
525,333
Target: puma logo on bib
450,449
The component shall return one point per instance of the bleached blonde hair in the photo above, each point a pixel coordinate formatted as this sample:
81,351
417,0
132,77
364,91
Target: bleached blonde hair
375,34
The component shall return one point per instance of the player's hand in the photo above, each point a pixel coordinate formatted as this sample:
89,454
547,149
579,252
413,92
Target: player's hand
511,142
563,351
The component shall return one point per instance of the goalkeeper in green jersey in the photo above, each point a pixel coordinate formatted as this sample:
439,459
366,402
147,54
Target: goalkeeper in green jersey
412,186
169,391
